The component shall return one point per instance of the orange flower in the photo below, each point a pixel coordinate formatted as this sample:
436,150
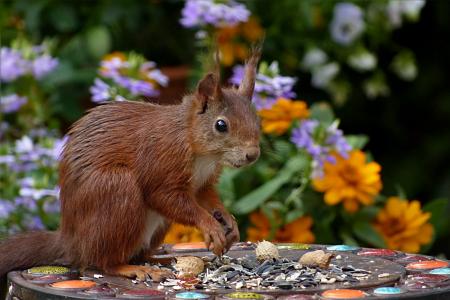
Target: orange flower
279,117
298,231
351,181
232,40
403,225
252,30
182,234
260,228
227,54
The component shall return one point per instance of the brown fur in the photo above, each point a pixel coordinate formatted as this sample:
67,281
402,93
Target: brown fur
132,168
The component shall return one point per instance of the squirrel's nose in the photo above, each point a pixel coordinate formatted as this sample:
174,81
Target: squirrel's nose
252,154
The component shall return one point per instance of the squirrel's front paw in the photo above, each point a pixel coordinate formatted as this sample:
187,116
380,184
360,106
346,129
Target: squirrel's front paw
233,236
229,225
215,238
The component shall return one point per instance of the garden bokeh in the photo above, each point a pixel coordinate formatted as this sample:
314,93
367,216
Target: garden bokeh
353,98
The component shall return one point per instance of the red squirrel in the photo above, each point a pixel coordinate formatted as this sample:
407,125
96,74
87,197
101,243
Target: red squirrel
130,169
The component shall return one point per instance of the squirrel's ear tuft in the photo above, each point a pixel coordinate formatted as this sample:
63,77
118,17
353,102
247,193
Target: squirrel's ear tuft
208,89
247,85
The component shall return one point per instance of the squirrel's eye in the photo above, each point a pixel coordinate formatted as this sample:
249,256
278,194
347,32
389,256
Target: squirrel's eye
221,126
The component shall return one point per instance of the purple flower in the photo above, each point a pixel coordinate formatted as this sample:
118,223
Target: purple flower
26,201
159,77
52,205
4,127
335,138
58,147
137,87
12,64
43,65
11,103
203,12
33,223
100,91
6,207
26,182
268,86
110,68
347,23
302,137
132,73
320,149
7,159
148,68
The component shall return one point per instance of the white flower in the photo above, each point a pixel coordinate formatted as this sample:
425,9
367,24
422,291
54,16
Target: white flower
119,98
396,9
24,145
376,87
404,65
314,57
347,23
37,194
412,8
322,75
362,61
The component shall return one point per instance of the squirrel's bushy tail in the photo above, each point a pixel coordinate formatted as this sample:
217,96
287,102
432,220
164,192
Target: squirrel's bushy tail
30,249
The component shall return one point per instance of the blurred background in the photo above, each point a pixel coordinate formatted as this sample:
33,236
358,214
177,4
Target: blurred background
353,97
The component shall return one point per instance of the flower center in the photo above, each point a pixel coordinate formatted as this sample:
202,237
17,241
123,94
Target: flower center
350,175
394,227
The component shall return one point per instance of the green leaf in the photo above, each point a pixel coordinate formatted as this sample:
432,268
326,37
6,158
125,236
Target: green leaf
322,112
276,206
98,41
225,185
439,209
400,192
347,238
323,230
365,232
283,148
294,215
254,199
368,212
357,141
63,17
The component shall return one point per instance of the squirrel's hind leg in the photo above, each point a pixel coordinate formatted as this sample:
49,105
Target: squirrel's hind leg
147,254
103,218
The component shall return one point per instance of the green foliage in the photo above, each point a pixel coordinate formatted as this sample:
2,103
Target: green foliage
259,195
439,209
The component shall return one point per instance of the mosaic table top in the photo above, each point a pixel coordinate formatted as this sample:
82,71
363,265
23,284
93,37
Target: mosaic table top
353,273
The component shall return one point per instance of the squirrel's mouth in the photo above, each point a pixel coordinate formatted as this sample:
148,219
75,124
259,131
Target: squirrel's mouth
233,164
236,165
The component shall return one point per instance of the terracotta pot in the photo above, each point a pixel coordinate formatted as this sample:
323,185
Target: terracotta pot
174,92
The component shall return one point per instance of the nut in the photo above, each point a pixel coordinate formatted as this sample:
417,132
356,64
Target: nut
316,258
189,265
266,250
